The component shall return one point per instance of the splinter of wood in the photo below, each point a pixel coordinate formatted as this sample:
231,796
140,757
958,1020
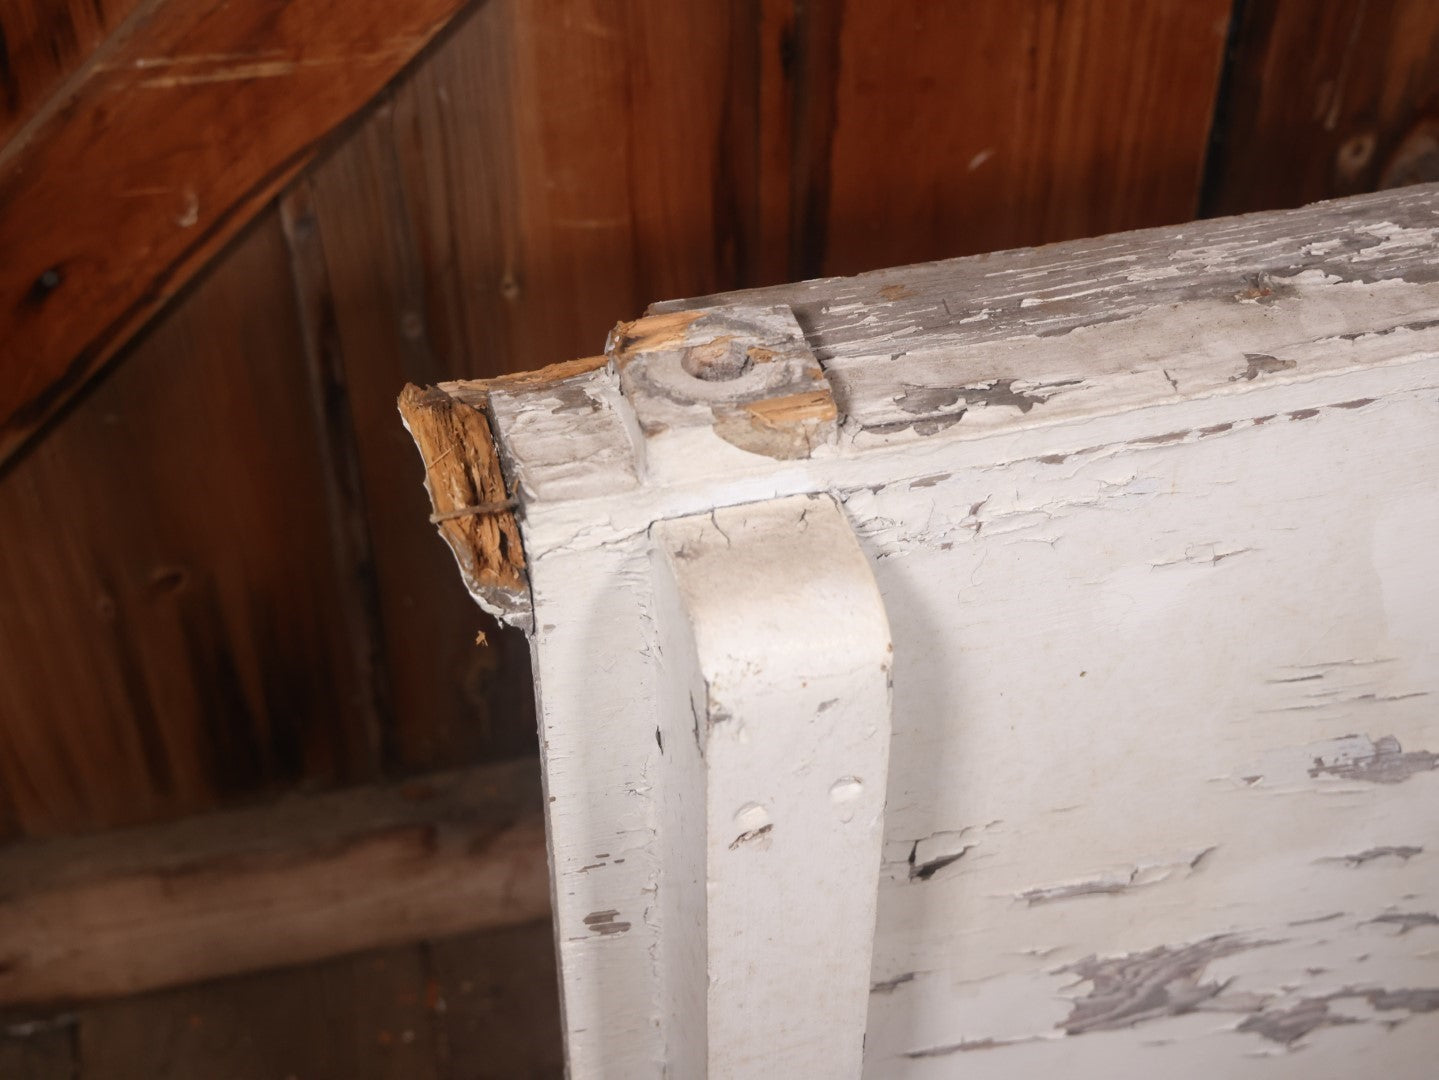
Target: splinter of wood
467,490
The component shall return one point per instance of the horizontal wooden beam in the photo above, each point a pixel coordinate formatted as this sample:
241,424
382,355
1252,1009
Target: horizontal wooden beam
302,879
184,123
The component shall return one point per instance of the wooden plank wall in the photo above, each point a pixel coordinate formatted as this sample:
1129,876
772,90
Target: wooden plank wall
216,577
1321,99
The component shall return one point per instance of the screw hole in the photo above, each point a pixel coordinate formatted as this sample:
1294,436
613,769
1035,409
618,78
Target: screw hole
716,361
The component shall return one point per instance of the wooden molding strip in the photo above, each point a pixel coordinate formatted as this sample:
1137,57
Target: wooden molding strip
302,879
182,127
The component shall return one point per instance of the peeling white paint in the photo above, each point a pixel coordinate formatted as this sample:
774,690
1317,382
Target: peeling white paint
1157,562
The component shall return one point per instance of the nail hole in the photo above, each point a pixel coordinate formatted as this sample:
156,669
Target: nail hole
44,285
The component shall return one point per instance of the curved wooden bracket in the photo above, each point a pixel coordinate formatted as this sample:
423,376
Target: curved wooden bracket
775,715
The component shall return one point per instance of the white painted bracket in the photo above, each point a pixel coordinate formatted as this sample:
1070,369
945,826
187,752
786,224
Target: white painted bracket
775,728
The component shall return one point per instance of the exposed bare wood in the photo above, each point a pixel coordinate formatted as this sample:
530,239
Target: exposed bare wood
200,113
45,42
889,339
302,879
398,294
472,505
548,168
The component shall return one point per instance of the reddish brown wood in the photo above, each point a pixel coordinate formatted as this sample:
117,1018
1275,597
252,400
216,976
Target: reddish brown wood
962,128
193,120
353,564
1320,99
550,168
169,621
446,695
813,53
44,42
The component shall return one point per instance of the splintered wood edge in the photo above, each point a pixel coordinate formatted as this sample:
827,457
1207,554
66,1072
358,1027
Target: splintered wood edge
471,503
650,332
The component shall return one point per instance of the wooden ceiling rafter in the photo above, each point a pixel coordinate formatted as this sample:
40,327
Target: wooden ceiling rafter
200,114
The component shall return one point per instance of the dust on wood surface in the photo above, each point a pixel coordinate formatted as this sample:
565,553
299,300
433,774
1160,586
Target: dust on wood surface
45,43
477,1007
536,176
166,622
299,879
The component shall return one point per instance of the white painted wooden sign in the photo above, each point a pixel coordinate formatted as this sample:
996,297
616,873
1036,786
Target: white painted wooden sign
1023,665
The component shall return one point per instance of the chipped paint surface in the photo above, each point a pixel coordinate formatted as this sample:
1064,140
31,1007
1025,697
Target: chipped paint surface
1156,550
1163,981
1120,322
744,374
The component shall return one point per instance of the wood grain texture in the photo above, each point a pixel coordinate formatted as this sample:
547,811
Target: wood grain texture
473,508
551,166
547,169
1319,99
200,114
891,341
449,703
168,608
43,43
961,128
304,878
602,162
353,564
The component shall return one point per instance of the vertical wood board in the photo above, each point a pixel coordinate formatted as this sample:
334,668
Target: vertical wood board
1323,99
165,600
961,128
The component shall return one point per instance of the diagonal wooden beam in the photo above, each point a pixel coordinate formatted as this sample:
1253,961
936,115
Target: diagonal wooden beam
184,123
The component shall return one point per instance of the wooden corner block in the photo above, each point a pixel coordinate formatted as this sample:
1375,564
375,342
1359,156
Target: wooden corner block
706,382
775,723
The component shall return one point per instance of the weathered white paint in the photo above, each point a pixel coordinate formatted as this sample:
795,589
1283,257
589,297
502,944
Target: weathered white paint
1153,519
775,655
